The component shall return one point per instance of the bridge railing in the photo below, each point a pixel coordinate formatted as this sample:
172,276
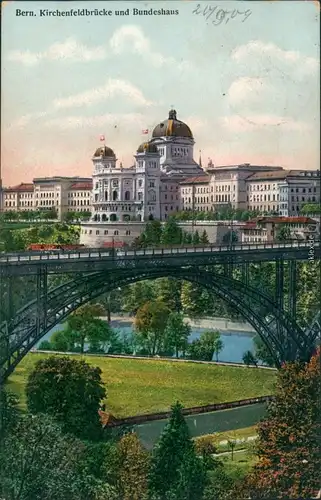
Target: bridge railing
112,253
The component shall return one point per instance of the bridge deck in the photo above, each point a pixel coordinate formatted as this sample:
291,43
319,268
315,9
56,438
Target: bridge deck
91,259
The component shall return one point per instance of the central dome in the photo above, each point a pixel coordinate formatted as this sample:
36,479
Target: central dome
172,127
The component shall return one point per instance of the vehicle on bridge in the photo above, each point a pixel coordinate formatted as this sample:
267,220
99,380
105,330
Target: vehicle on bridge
49,247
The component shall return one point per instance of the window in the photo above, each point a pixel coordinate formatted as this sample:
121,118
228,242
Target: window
151,184
115,195
116,233
140,182
127,195
127,233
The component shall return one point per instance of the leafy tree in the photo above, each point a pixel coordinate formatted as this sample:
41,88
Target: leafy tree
196,238
71,391
45,345
311,209
288,444
283,233
174,465
249,358
177,332
205,347
62,340
85,324
168,290
172,233
231,443
38,462
190,294
262,352
150,323
9,413
187,238
132,468
204,238
136,295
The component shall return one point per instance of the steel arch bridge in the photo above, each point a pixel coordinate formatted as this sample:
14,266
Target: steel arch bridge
226,273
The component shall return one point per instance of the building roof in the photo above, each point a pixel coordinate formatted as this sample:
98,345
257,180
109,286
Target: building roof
283,174
82,185
172,127
243,166
284,220
23,187
104,152
147,147
201,179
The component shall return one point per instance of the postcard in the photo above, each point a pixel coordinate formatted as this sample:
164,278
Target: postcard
159,238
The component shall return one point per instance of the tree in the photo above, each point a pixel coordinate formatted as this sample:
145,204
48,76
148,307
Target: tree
283,233
85,324
190,294
62,340
196,238
69,390
231,443
204,238
150,323
288,444
172,233
205,347
45,345
249,358
262,352
136,295
177,332
168,290
38,462
9,413
174,464
132,468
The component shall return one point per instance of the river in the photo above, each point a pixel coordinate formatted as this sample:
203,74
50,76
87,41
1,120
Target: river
236,342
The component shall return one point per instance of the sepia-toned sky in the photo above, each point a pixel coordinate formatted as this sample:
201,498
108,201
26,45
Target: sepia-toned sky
248,87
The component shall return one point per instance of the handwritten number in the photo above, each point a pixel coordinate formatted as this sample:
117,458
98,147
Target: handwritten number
220,14
198,9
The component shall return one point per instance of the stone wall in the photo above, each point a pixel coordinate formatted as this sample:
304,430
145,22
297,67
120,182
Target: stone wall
96,234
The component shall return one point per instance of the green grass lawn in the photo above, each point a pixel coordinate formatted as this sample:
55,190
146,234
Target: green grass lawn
148,386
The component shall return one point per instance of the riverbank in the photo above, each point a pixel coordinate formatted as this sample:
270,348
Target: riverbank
224,325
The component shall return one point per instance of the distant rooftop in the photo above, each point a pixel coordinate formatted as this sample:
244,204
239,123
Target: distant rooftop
23,187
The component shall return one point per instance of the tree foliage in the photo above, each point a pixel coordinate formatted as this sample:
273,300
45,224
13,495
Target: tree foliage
132,468
206,346
177,332
176,472
150,324
71,391
288,445
39,462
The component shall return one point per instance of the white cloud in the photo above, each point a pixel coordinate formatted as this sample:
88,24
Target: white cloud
132,39
26,119
273,53
237,123
69,50
111,89
246,88
115,120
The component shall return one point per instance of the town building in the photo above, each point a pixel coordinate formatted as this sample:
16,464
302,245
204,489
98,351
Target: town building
267,229
64,194
283,192
18,197
195,194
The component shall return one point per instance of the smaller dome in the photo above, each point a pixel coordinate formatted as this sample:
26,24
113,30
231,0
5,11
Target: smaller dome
104,152
147,147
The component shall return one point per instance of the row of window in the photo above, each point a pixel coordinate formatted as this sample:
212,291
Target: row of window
105,232
79,194
82,203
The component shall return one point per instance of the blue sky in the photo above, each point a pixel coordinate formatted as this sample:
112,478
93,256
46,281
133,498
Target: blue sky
248,88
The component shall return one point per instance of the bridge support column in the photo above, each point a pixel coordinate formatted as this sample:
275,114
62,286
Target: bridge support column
245,273
292,289
42,288
279,283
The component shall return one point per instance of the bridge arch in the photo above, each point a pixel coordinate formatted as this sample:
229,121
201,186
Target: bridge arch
282,336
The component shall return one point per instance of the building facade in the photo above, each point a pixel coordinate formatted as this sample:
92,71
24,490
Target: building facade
283,192
266,229
64,194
